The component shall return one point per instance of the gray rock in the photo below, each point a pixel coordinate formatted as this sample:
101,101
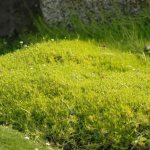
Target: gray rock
57,11
16,15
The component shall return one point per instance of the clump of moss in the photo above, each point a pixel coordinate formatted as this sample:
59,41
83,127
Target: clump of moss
78,95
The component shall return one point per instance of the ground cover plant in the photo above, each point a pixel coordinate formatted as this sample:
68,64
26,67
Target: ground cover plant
77,94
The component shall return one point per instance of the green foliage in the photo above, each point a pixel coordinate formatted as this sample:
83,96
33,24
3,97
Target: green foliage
128,33
76,94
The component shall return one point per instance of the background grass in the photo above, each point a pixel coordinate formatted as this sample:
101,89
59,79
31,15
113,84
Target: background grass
12,140
125,33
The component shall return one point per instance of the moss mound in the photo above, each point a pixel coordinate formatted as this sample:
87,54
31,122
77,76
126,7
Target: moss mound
78,95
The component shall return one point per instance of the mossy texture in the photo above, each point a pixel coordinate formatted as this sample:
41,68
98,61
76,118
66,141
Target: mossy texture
77,94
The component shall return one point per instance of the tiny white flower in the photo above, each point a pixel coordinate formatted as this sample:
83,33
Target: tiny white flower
26,137
25,46
21,42
52,40
47,143
36,149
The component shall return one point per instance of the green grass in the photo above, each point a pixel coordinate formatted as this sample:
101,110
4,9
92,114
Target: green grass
126,33
77,95
13,140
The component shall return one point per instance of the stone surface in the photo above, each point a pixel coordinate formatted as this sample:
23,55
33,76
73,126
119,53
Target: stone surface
16,15
57,11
